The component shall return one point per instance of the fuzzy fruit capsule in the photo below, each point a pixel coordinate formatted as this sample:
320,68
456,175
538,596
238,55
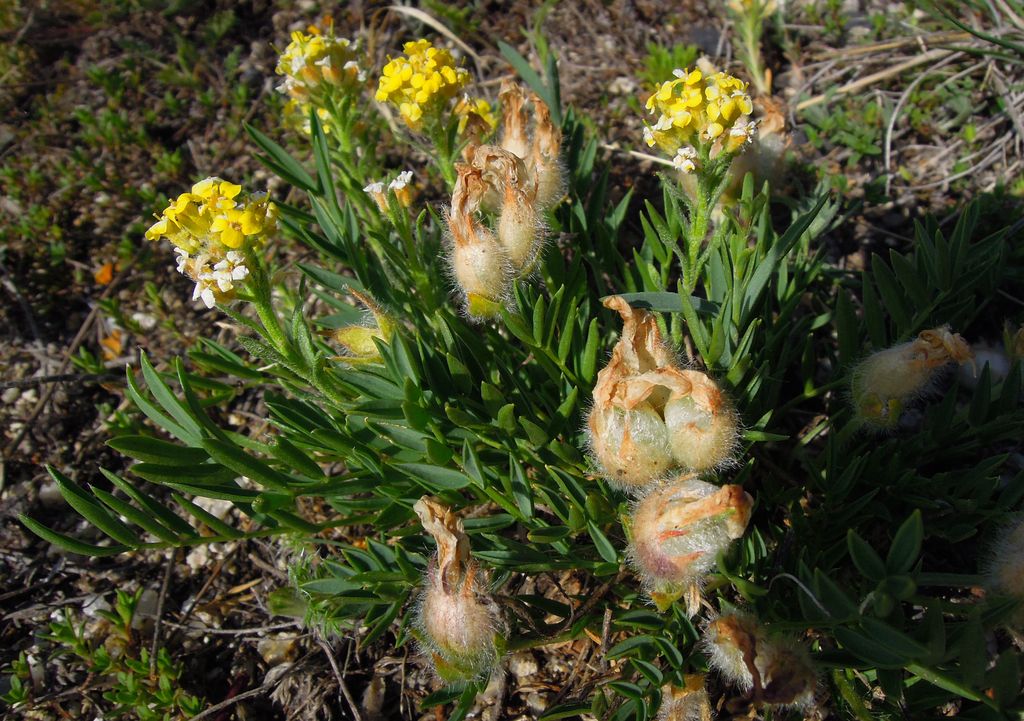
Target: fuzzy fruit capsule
702,427
679,529
885,381
631,444
480,265
773,669
512,193
1004,567
650,415
459,622
688,702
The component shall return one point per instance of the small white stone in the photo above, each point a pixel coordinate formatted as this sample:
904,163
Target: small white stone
522,665
145,320
277,649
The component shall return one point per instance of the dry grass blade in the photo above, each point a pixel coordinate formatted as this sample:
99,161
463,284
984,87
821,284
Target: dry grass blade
869,80
920,41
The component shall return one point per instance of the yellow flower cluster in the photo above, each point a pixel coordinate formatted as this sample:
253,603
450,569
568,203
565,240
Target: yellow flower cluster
210,227
315,66
421,83
694,109
318,60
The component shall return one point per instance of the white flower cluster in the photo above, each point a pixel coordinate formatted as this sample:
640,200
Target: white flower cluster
212,281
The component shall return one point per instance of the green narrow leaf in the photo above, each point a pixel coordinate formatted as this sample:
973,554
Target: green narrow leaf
322,158
520,487
289,454
909,280
279,161
833,598
868,649
895,641
92,511
868,562
548,534
539,327
892,296
233,457
603,545
156,509
153,450
666,302
67,542
531,78
216,525
906,546
588,361
874,320
134,515
434,477
847,329
155,414
167,400
972,654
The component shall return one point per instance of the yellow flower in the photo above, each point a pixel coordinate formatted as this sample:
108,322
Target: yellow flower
233,225
421,83
215,194
210,226
693,109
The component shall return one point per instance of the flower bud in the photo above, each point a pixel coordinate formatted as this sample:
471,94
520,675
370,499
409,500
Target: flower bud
677,532
649,415
885,381
358,340
479,263
773,669
685,703
459,622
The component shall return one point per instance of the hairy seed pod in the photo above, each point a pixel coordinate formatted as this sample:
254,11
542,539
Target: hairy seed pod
512,191
773,669
642,398
515,138
459,622
630,444
702,425
545,155
679,529
688,702
885,381
1004,567
480,265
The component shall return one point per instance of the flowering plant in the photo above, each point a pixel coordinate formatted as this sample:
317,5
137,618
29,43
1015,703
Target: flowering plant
457,468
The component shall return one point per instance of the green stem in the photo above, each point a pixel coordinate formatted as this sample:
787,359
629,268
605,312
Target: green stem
698,232
846,690
266,314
